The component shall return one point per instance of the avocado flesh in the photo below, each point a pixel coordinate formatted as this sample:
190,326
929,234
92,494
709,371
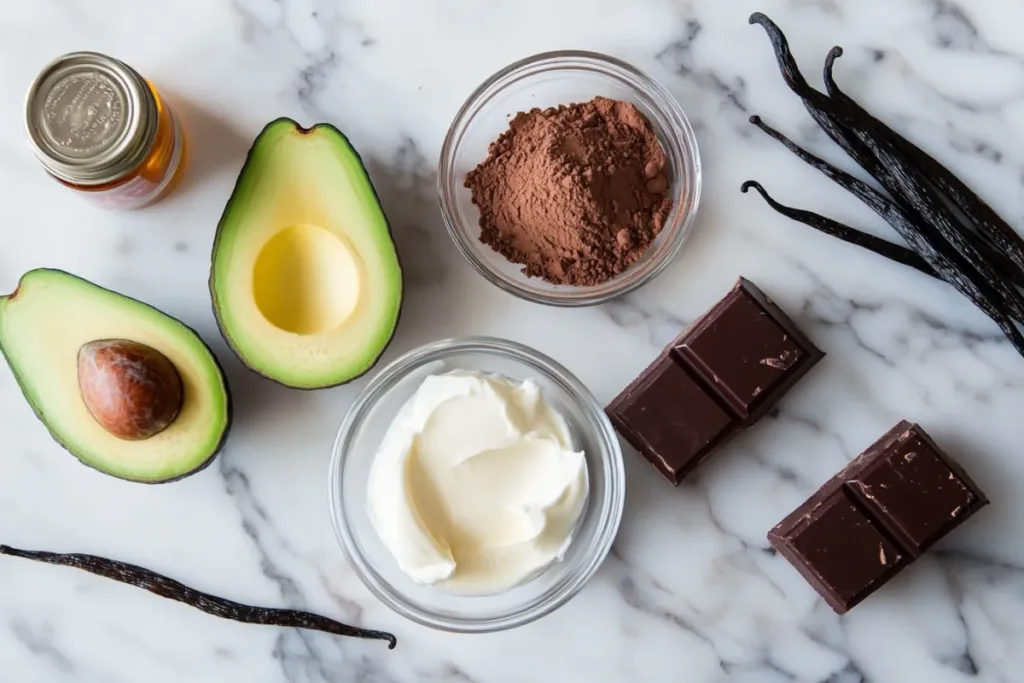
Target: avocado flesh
45,323
305,278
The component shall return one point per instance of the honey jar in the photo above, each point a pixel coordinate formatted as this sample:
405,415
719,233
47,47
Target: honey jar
100,128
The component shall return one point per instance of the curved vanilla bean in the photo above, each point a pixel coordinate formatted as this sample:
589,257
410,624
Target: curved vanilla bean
834,228
219,607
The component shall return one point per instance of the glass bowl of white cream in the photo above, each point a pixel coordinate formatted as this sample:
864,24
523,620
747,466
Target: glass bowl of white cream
476,485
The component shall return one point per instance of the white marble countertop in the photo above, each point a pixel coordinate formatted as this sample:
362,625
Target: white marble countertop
691,592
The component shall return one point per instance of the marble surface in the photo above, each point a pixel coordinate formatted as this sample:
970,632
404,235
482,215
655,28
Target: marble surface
692,592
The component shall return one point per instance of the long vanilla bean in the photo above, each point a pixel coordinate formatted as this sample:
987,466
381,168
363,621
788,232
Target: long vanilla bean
976,289
1002,237
855,133
174,590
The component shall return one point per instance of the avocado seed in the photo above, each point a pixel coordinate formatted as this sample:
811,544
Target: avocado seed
131,389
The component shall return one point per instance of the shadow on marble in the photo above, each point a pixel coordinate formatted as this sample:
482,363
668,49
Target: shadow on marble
255,400
1001,487
406,189
434,298
213,142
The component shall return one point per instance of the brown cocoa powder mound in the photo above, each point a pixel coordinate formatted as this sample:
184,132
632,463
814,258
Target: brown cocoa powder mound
575,193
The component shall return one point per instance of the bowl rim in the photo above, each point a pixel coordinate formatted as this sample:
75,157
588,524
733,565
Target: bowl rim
682,136
612,505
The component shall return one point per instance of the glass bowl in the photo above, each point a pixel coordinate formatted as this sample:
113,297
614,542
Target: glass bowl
356,446
547,80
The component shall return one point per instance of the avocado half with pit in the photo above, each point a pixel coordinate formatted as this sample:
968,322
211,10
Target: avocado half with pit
305,278
127,389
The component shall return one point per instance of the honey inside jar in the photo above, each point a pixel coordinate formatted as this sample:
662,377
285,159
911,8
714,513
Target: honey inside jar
99,128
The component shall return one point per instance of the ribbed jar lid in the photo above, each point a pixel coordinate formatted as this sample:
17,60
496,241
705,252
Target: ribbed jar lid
91,118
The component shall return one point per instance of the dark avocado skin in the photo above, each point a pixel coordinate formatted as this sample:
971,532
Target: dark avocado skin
224,383
216,243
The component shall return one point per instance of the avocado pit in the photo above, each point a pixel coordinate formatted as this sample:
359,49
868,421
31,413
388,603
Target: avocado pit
131,389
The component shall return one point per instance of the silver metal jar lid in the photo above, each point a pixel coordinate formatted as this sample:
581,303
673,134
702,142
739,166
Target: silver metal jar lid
91,118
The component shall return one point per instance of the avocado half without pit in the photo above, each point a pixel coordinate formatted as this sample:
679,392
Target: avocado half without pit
124,387
305,278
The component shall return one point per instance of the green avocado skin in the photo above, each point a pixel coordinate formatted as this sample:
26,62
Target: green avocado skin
212,282
229,405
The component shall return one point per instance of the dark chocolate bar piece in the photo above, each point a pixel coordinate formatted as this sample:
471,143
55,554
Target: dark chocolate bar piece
879,514
726,371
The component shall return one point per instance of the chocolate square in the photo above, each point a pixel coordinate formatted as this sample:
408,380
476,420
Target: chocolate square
841,552
670,419
746,347
914,489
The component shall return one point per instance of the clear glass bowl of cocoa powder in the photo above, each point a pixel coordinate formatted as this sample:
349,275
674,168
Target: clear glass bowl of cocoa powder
550,80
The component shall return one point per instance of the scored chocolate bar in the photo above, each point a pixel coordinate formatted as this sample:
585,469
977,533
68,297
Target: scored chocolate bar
720,376
879,514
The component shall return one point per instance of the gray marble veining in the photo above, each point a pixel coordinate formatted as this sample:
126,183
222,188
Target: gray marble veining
692,591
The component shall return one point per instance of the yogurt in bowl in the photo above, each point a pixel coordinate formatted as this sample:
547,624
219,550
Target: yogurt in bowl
476,485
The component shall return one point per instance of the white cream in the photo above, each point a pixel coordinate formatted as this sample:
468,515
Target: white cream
476,484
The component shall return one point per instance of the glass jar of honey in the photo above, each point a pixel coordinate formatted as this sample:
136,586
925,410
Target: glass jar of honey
100,128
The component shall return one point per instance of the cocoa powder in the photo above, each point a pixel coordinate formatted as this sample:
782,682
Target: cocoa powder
575,193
